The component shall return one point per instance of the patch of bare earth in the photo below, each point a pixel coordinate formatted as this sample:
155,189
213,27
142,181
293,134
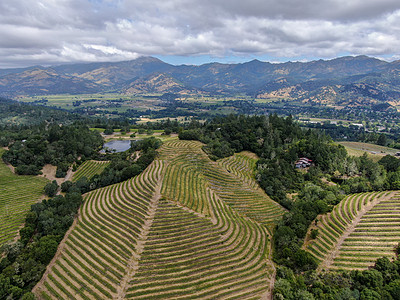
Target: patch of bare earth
69,175
49,172
326,181
11,167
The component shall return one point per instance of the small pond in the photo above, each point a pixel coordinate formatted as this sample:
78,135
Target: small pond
116,146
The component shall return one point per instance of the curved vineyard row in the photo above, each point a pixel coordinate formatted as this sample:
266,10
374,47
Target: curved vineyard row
168,233
17,194
360,229
246,199
90,168
242,165
105,242
196,258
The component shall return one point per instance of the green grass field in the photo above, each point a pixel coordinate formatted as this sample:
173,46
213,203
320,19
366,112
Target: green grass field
186,228
17,194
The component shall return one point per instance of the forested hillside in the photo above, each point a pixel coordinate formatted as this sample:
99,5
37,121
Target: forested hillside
55,144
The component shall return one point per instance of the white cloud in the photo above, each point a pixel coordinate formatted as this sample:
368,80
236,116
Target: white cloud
51,31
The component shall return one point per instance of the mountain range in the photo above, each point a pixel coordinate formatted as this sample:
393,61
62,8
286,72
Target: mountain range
350,80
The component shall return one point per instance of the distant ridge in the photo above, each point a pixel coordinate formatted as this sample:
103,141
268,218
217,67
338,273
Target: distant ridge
349,80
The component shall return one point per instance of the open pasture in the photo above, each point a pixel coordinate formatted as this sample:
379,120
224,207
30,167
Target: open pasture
375,152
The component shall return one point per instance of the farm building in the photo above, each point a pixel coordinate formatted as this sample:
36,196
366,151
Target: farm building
302,163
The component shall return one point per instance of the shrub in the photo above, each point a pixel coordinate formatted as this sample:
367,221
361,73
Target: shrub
314,233
50,189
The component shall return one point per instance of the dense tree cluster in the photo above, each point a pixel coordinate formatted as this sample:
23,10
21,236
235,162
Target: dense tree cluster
28,114
54,144
380,282
51,188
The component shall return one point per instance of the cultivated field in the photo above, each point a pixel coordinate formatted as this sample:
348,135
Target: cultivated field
17,194
90,168
375,152
360,229
183,229
243,166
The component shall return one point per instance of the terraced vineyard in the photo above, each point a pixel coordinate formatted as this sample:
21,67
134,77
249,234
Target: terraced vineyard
242,165
360,229
90,168
17,194
183,229
240,192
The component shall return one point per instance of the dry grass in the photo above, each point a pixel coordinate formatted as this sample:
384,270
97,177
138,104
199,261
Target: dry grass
375,152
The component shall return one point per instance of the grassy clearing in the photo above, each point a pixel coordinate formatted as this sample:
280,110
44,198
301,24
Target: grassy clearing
17,194
375,152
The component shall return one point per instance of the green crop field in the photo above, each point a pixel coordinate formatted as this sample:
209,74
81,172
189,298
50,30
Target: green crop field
360,229
186,228
90,168
17,193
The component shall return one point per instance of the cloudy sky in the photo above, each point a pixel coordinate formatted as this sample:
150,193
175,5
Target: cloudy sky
195,31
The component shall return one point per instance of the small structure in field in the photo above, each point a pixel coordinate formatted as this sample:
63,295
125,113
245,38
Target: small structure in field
303,163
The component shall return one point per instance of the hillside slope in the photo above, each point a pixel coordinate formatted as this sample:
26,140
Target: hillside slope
184,228
358,80
360,229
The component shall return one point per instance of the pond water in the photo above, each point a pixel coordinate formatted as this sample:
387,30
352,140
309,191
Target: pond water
116,146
